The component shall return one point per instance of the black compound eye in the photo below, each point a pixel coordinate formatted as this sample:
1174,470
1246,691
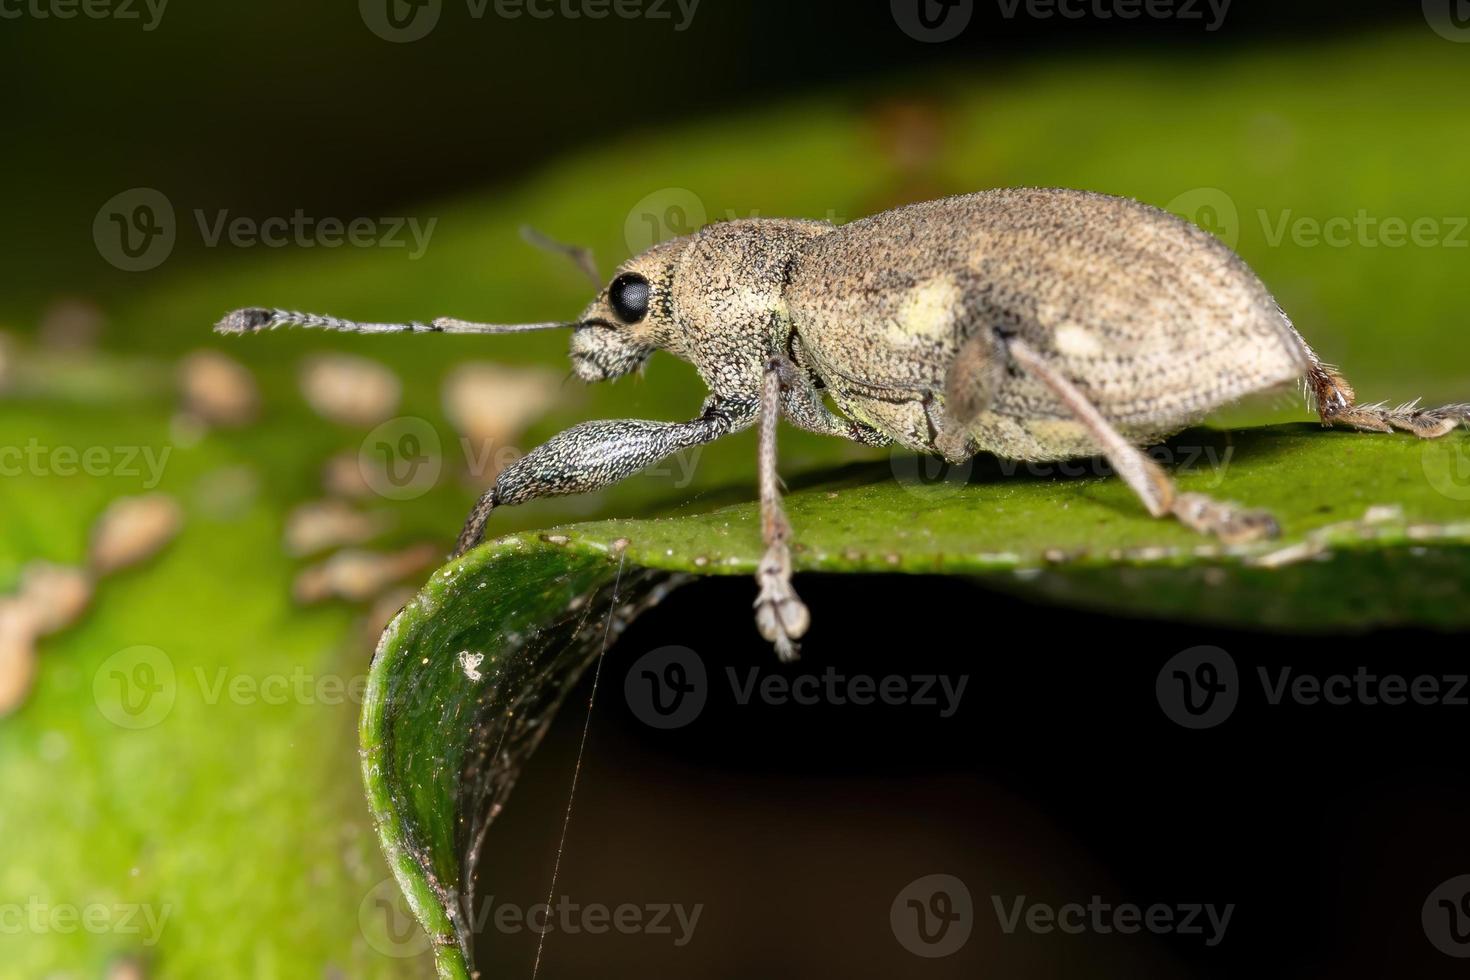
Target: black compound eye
628,295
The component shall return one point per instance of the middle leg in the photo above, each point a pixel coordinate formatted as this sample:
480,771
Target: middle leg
780,615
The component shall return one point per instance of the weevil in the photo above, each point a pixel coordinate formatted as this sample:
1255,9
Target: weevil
1034,324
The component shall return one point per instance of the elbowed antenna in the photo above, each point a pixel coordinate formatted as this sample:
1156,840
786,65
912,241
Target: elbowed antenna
255,319
580,255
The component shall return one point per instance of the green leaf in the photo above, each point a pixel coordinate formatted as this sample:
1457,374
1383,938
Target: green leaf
467,678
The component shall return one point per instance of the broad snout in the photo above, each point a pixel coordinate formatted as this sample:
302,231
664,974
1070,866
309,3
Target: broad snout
601,351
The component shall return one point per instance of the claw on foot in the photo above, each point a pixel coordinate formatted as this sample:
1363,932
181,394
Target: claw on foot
780,615
1229,523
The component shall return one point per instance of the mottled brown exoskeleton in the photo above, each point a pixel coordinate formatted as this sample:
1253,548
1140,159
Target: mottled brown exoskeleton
1029,323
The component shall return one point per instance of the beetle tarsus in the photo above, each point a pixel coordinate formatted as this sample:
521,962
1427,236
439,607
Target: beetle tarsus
780,615
1226,521
1336,403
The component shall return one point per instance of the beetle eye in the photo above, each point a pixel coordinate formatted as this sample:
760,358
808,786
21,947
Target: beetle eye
628,295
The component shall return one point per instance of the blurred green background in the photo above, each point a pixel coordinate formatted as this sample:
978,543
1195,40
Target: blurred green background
244,820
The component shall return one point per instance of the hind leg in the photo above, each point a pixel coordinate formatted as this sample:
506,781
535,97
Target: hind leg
1153,486
1336,403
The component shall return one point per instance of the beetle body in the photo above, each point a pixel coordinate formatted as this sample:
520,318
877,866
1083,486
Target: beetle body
1035,324
1156,321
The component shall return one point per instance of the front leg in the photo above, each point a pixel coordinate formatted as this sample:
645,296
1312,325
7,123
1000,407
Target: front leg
803,406
594,455
780,615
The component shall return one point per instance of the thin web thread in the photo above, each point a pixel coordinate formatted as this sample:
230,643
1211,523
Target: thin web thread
577,770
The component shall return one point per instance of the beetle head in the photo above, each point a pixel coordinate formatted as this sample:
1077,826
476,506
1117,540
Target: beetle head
630,318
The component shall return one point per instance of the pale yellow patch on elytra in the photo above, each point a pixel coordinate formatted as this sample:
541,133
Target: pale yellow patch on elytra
927,311
1073,340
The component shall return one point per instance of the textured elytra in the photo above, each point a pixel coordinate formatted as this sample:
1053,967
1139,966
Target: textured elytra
1156,321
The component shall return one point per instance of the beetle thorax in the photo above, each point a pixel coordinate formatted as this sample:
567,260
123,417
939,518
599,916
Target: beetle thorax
728,299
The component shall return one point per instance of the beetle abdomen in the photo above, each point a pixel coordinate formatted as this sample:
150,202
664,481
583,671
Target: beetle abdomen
1155,320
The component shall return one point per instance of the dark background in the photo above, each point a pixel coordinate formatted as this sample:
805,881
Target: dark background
274,105
1060,777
